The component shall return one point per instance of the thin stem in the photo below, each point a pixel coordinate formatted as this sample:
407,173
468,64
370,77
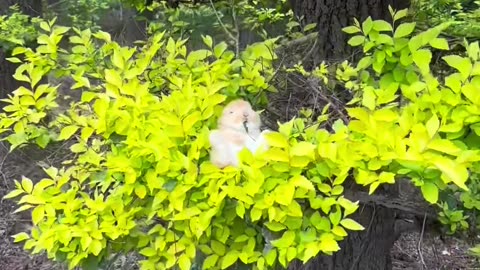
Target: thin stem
223,25
235,22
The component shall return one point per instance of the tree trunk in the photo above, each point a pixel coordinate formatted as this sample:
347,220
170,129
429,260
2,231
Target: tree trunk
7,82
391,211
369,249
332,15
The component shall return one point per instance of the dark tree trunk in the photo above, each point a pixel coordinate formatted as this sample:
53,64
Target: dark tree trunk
7,82
332,15
369,249
7,69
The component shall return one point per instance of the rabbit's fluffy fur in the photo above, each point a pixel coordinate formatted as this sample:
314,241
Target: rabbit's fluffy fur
238,127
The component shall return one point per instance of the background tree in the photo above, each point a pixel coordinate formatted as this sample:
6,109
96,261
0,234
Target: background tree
331,16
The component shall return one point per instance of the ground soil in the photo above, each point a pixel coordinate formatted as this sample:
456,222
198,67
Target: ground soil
412,251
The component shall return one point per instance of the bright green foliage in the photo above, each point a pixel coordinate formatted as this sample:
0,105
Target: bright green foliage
84,13
455,219
422,126
433,130
16,29
463,13
408,122
141,178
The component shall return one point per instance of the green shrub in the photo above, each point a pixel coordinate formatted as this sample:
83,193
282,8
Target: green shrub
463,14
141,176
16,29
141,179
84,13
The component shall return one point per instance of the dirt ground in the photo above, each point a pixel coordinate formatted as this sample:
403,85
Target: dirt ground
412,251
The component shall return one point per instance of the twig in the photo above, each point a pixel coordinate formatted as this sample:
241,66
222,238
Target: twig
57,3
5,180
288,105
309,53
235,22
223,25
296,42
419,245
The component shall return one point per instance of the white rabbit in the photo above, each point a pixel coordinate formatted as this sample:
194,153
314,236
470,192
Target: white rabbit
238,127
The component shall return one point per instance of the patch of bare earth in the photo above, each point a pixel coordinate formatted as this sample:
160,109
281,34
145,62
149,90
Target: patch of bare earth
413,251
12,255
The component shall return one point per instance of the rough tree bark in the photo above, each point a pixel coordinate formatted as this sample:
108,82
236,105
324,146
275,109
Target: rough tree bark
332,15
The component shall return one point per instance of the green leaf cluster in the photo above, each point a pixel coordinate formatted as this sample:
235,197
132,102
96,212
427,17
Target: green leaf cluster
140,176
418,124
16,29
463,14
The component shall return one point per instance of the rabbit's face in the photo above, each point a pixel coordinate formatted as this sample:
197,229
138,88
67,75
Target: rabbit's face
239,114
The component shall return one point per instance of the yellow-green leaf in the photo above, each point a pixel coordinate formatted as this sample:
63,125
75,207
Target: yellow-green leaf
27,185
38,214
404,29
276,139
229,259
218,247
369,98
444,146
303,149
430,192
439,43
184,262
356,40
67,132
191,120
141,191
210,261
328,244
284,194
462,64
275,226
452,171
113,77
351,224
302,181
96,247
20,237
14,193
432,126
285,241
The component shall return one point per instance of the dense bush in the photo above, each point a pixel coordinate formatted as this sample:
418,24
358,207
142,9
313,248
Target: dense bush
463,14
16,29
141,179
